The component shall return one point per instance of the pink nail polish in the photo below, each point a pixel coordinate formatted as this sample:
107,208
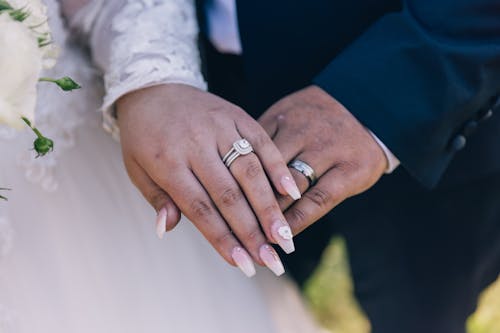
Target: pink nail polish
243,261
290,187
161,223
271,259
282,234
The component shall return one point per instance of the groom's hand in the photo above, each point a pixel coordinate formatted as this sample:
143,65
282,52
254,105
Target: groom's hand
173,138
313,127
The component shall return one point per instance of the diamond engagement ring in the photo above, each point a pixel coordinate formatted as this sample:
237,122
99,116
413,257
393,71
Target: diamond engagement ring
240,147
304,169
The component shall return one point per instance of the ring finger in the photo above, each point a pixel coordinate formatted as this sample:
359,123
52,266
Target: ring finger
233,207
292,147
250,175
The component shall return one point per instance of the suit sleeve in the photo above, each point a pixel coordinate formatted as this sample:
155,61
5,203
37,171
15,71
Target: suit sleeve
416,77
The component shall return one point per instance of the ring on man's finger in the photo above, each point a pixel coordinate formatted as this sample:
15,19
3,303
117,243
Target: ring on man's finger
304,169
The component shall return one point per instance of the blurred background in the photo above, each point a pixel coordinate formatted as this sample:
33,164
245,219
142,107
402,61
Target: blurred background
330,293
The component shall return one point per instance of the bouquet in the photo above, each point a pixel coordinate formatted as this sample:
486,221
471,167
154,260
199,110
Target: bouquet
25,49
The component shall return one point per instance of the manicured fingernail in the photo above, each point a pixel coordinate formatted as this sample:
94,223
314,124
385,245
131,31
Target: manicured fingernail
282,234
161,223
271,259
290,187
243,261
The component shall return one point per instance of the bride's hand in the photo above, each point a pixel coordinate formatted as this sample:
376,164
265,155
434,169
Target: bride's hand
173,137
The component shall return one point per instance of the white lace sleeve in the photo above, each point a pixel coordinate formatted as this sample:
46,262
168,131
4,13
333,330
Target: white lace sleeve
141,43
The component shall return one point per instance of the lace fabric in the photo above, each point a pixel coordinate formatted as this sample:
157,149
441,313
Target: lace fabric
138,44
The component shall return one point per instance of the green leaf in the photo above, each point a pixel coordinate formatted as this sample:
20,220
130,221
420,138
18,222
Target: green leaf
44,40
26,120
4,5
19,14
1,196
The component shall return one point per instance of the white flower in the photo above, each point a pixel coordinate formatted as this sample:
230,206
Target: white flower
37,14
38,22
20,67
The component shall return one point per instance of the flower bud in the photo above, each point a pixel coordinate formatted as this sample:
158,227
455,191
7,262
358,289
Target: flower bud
67,84
43,146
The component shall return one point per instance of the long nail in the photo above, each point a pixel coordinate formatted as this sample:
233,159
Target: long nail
161,223
290,187
271,259
282,234
243,261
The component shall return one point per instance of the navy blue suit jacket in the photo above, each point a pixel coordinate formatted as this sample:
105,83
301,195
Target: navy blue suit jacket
423,75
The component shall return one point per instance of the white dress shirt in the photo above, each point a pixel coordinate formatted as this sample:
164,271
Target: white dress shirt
223,26
224,34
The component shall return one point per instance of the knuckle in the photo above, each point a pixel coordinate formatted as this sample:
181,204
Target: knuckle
216,110
284,202
230,196
319,197
353,165
240,111
201,208
252,169
298,215
260,140
222,239
253,235
347,166
270,210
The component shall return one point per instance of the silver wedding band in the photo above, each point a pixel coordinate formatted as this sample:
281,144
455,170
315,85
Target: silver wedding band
304,169
240,147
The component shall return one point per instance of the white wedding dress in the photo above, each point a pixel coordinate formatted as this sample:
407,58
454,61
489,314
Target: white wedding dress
78,249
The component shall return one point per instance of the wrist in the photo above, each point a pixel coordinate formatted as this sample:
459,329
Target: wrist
143,96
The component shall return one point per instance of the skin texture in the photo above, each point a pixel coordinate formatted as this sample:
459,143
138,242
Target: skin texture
312,126
173,137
